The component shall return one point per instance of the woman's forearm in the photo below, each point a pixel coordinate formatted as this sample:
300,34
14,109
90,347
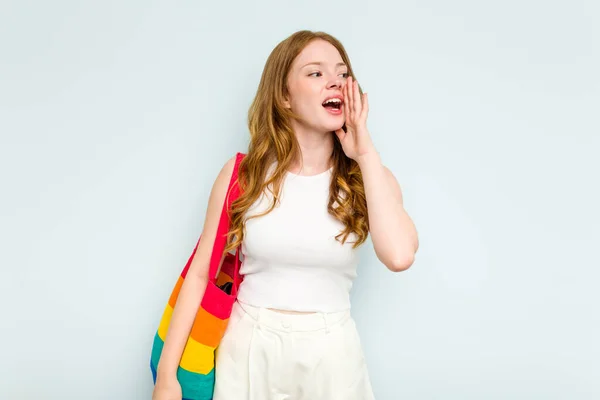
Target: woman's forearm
393,232
182,320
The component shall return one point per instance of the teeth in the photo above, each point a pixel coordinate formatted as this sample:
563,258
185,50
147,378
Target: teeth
337,101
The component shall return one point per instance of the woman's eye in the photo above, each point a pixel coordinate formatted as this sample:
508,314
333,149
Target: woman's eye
344,75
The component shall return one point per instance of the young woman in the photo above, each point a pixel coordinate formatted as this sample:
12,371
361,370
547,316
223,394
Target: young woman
313,188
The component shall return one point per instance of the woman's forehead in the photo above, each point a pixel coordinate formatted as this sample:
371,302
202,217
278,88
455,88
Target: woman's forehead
319,52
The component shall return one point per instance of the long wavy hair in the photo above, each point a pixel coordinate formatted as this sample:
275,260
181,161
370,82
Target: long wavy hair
272,140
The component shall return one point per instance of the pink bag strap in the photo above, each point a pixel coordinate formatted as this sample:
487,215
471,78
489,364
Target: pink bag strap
233,192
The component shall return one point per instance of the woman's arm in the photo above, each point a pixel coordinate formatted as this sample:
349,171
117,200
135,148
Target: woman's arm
393,233
195,282
392,230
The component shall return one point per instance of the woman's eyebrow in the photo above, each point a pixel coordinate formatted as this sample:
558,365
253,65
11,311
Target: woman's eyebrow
340,64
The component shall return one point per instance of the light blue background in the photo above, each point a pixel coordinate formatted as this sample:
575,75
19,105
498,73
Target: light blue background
115,118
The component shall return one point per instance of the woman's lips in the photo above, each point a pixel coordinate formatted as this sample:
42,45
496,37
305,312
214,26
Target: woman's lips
333,111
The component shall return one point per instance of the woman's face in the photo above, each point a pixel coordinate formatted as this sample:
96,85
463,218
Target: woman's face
317,75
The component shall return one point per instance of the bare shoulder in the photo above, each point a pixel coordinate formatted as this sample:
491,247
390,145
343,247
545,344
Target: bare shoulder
219,189
200,264
226,171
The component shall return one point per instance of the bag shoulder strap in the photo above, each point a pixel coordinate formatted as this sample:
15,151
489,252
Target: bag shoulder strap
233,192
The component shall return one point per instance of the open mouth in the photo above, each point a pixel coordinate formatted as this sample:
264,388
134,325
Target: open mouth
333,104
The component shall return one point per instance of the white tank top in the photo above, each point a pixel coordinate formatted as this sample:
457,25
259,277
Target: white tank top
291,259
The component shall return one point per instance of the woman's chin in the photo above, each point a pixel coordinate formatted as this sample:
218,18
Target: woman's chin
334,125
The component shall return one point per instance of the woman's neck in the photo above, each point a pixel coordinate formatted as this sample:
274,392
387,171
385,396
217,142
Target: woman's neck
316,149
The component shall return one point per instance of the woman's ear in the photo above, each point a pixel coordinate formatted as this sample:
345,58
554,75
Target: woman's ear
286,98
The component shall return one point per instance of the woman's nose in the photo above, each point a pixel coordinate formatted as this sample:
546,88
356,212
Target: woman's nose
336,83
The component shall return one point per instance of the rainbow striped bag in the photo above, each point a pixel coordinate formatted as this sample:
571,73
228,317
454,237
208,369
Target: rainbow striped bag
196,372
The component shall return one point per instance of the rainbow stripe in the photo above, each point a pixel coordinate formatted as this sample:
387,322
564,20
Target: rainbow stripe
196,372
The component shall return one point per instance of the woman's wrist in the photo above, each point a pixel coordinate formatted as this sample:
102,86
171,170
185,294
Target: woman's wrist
165,373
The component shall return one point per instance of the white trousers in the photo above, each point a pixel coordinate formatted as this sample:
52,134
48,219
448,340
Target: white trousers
267,355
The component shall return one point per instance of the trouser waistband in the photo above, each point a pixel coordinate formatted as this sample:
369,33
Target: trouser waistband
294,322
